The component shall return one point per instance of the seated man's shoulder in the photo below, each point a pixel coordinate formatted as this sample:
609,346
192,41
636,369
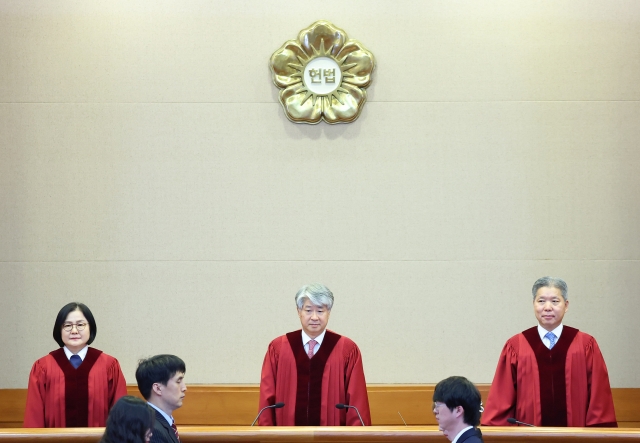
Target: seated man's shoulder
160,433
471,436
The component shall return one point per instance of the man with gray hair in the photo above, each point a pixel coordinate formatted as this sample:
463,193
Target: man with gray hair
312,370
551,374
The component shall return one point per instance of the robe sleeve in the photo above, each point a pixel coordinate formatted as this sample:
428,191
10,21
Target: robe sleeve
501,402
600,409
356,388
268,386
117,383
34,411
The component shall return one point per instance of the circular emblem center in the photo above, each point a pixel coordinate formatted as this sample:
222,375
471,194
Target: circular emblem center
322,75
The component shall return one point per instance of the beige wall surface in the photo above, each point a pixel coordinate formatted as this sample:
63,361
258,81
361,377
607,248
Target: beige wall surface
148,170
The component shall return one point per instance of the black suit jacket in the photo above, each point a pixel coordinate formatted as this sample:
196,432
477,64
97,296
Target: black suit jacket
471,436
162,431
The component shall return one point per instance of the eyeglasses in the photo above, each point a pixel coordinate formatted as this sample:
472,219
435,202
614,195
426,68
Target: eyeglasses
68,327
436,405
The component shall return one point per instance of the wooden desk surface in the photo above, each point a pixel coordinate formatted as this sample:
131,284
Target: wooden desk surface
378,434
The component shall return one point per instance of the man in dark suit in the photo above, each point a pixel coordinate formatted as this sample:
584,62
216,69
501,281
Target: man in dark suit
457,406
161,383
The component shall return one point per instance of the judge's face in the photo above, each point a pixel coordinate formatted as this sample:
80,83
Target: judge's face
75,339
313,318
550,307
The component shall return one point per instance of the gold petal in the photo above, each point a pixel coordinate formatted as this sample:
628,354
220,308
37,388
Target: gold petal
354,53
347,111
283,63
322,32
298,107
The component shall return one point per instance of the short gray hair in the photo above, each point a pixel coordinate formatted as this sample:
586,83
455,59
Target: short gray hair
317,294
551,282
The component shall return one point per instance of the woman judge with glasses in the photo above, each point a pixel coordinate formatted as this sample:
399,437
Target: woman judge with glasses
74,386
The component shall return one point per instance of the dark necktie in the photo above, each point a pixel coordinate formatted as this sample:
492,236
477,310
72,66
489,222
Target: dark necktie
76,361
175,429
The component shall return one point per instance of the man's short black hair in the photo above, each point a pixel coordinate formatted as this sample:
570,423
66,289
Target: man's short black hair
157,369
62,317
458,391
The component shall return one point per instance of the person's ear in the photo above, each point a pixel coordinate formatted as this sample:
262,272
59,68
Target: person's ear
157,388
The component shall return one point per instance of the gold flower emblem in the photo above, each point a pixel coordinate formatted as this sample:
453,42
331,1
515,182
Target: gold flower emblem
322,75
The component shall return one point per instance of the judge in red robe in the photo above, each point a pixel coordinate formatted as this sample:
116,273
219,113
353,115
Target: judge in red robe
74,386
312,370
551,380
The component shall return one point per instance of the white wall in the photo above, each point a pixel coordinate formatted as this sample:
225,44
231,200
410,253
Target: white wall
148,170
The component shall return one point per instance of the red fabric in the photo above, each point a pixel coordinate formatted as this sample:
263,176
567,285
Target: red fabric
551,372
312,344
342,382
46,399
76,385
175,430
516,389
310,373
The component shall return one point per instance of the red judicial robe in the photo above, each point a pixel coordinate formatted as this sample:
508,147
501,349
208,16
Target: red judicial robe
61,396
311,388
564,386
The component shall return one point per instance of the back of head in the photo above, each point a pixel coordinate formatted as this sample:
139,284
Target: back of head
317,294
128,421
458,391
157,369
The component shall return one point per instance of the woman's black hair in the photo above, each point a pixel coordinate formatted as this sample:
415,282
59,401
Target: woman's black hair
128,422
62,317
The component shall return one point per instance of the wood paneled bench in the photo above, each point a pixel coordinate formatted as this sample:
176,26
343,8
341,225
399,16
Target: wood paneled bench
236,405
376,434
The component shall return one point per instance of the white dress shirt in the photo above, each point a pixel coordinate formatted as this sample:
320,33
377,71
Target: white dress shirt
169,418
306,339
460,433
82,353
542,331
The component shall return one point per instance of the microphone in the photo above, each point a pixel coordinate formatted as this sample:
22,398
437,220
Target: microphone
276,406
513,421
405,423
343,406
